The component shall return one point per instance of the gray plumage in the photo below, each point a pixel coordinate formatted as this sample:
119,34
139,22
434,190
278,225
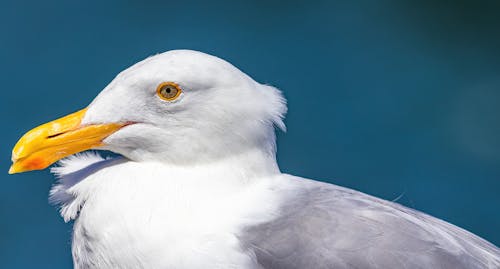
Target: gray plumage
326,226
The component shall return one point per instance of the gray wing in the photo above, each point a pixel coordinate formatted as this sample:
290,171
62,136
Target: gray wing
325,226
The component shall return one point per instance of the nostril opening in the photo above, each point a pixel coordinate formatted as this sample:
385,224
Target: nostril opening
54,135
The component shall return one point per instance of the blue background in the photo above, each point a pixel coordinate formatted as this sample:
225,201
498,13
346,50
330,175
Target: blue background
393,98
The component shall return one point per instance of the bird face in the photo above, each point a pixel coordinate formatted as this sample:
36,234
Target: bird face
177,107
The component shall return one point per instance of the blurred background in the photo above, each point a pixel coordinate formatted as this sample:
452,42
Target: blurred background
398,99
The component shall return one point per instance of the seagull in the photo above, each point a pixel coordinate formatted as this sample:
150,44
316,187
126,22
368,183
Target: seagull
195,183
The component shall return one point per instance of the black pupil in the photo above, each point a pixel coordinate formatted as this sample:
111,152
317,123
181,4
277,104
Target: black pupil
168,90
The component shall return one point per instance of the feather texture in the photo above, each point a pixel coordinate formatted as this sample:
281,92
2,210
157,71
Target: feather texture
326,226
144,216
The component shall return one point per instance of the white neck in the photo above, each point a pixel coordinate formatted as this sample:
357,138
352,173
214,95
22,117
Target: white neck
146,207
77,181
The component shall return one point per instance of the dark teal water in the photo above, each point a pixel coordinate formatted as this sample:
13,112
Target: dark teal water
390,98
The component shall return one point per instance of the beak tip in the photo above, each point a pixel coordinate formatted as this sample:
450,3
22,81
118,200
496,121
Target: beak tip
17,168
12,170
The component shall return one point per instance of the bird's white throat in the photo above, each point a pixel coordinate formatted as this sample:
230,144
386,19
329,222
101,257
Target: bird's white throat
117,200
84,176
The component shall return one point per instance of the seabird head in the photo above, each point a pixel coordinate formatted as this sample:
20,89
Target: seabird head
180,107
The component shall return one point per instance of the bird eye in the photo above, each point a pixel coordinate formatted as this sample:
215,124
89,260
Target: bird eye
168,91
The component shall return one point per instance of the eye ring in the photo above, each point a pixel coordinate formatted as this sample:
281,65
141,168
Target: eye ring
168,91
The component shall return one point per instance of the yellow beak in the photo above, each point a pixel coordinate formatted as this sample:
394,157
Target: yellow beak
50,142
